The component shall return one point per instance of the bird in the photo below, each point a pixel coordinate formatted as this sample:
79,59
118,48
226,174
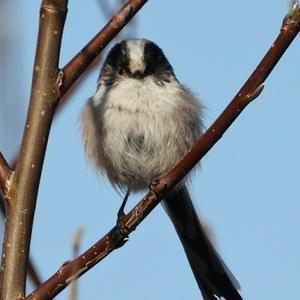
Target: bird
139,123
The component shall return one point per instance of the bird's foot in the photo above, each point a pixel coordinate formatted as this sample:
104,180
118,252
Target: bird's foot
121,227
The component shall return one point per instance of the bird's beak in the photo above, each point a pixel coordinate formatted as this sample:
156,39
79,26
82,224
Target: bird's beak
137,75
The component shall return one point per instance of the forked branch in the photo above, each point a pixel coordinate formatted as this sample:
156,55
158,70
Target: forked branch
115,238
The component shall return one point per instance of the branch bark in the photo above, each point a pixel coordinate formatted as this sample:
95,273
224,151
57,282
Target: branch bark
24,188
116,238
32,270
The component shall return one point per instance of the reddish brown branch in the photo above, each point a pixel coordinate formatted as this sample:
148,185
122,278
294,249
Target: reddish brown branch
114,238
250,90
86,56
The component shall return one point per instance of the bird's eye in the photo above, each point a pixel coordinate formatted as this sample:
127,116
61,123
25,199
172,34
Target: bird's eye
120,71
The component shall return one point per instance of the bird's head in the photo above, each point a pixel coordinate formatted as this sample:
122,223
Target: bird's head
136,59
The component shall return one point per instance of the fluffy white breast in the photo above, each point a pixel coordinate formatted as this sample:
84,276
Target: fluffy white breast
137,130
144,96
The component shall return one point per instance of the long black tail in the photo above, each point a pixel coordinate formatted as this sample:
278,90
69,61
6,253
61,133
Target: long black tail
213,277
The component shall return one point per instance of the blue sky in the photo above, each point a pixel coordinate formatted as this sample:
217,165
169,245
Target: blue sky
247,190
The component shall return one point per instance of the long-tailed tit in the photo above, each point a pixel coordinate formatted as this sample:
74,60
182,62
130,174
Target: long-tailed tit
139,123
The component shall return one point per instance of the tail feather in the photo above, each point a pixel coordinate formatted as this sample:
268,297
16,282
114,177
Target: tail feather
212,275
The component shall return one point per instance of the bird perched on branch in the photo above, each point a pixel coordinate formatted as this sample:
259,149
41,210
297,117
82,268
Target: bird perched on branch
136,127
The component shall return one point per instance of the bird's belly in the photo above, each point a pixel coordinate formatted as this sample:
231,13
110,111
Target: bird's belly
136,148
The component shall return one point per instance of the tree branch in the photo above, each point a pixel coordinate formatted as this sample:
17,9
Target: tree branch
116,238
32,271
23,192
4,172
33,274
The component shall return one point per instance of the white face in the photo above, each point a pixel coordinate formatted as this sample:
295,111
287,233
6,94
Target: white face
135,52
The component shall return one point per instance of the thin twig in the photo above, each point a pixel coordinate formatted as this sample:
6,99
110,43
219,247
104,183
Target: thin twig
34,275
4,172
107,10
116,238
76,246
24,189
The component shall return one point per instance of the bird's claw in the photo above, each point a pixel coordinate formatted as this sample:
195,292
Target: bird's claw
153,184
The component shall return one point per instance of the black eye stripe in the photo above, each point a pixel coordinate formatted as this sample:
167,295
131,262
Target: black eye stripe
155,58
118,56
